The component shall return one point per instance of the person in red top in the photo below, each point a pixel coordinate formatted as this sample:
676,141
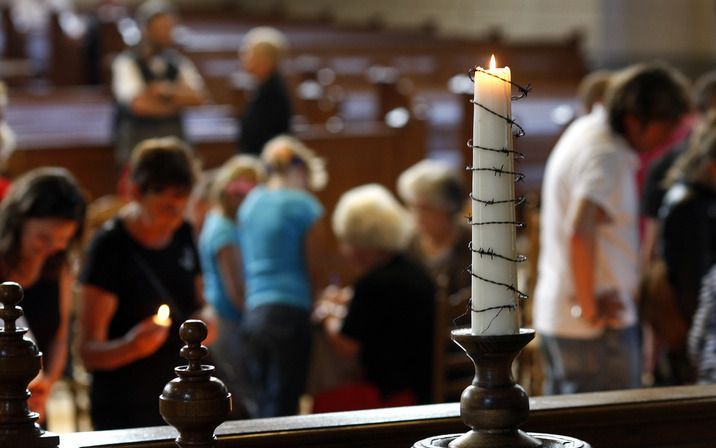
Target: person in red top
7,140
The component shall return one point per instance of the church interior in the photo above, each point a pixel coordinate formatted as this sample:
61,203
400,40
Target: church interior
375,87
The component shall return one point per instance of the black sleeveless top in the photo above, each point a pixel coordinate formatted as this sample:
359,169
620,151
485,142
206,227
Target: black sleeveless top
142,279
42,311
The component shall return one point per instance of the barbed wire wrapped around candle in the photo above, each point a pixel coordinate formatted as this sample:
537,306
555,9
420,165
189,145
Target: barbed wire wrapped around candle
487,199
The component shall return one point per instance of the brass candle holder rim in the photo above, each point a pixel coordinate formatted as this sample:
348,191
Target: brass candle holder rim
492,344
467,332
544,441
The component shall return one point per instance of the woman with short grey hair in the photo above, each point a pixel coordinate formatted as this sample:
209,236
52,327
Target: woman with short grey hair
435,195
392,301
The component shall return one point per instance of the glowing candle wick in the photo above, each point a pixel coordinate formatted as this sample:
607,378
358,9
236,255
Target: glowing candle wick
162,316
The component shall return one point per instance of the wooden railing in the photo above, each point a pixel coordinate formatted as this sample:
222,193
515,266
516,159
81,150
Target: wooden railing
678,417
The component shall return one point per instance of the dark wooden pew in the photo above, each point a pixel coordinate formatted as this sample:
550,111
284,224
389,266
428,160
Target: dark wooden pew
678,417
211,36
69,65
14,40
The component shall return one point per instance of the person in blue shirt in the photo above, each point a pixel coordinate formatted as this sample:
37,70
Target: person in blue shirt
278,223
220,257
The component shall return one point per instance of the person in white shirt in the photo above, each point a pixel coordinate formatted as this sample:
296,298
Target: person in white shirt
588,273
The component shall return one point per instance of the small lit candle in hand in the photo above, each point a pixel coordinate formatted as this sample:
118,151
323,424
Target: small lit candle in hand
162,317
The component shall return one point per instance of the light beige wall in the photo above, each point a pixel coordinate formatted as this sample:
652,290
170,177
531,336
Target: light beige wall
519,19
659,28
615,31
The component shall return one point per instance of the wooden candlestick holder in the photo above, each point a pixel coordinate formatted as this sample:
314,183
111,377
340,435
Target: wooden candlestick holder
494,406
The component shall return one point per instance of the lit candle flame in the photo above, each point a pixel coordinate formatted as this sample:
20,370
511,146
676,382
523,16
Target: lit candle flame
162,316
493,63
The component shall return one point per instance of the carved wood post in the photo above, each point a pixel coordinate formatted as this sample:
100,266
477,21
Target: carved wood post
195,403
20,362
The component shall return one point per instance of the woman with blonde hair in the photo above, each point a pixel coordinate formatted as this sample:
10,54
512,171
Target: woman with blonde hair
278,224
220,256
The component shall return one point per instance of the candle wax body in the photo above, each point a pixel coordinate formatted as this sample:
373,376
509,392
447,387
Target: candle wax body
492,131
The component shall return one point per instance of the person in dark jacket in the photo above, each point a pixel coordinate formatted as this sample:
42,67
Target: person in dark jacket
268,111
689,214
688,238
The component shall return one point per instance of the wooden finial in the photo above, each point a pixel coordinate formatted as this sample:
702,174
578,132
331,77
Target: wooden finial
11,295
195,402
193,332
20,362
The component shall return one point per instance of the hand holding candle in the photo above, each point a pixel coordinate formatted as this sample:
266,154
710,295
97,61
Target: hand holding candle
150,334
162,318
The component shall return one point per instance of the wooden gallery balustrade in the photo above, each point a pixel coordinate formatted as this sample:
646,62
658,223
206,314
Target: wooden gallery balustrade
677,417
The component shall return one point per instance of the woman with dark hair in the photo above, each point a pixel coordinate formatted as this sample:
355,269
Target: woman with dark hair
141,259
688,238
220,255
41,221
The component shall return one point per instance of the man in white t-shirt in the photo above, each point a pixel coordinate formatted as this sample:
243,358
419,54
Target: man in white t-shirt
152,83
588,266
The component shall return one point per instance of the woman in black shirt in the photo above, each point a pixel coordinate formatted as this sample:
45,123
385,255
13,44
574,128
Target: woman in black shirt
388,325
41,221
139,260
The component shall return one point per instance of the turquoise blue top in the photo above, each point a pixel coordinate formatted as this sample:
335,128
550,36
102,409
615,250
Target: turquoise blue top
217,233
274,224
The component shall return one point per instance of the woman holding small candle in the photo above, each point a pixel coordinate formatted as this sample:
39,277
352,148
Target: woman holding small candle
41,222
144,257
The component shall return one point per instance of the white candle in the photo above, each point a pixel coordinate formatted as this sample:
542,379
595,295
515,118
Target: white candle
162,317
492,131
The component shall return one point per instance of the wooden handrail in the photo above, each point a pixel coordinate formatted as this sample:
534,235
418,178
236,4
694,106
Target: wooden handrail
645,418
